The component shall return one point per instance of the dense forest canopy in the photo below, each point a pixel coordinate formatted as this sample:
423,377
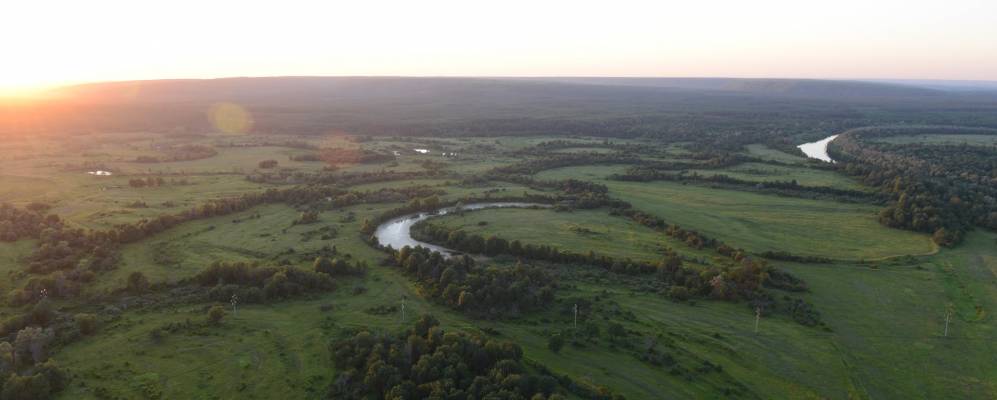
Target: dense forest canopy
684,109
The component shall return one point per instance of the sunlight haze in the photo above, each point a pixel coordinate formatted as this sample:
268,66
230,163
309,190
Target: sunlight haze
50,43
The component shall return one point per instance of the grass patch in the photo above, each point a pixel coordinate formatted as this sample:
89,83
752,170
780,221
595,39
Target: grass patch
759,172
577,232
760,222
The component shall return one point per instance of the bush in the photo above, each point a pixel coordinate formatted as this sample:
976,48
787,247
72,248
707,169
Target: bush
555,343
267,164
137,282
215,315
86,323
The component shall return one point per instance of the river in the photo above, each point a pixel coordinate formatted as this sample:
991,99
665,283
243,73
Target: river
818,149
396,232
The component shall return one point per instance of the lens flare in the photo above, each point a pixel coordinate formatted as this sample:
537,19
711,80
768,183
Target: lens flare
230,118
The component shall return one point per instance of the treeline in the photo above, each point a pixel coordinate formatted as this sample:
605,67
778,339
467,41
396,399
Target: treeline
139,183
433,204
294,144
308,157
252,284
743,280
340,179
492,246
187,152
790,188
77,255
546,147
16,223
557,160
340,156
481,292
577,194
426,362
942,190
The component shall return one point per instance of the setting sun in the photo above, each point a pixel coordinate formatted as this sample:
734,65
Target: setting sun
59,42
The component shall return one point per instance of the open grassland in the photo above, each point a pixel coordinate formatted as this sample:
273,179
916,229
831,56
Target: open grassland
883,341
768,153
280,350
974,140
582,172
760,222
577,232
265,234
889,323
11,266
885,317
759,172
102,202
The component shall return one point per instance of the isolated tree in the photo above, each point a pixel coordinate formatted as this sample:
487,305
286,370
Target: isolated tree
32,344
137,282
322,264
6,358
267,164
86,323
42,313
555,343
216,314
616,330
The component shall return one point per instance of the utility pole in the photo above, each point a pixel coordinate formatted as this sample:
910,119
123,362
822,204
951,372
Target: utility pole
948,316
758,317
576,316
403,309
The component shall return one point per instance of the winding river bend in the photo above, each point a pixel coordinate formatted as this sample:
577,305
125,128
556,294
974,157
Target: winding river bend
818,149
397,232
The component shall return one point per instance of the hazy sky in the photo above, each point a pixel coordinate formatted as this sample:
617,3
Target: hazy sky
56,42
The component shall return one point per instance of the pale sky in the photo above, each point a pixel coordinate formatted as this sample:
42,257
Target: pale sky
45,42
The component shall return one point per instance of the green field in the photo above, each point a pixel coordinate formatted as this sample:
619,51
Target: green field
883,300
183,251
577,231
583,172
760,222
759,172
889,322
879,322
11,257
768,153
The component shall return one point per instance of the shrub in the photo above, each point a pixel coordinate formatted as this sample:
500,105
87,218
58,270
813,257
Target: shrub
86,323
216,314
555,343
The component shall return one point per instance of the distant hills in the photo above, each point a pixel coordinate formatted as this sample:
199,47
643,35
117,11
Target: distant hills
433,106
333,88
787,87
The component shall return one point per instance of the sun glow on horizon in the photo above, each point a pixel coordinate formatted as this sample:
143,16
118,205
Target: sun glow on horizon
53,43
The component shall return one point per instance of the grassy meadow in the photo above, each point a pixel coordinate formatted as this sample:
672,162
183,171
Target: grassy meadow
759,222
884,300
577,231
758,172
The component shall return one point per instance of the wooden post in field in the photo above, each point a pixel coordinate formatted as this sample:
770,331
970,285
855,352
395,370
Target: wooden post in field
758,317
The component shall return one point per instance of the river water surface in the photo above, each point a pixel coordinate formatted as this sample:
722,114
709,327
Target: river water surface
396,232
818,149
